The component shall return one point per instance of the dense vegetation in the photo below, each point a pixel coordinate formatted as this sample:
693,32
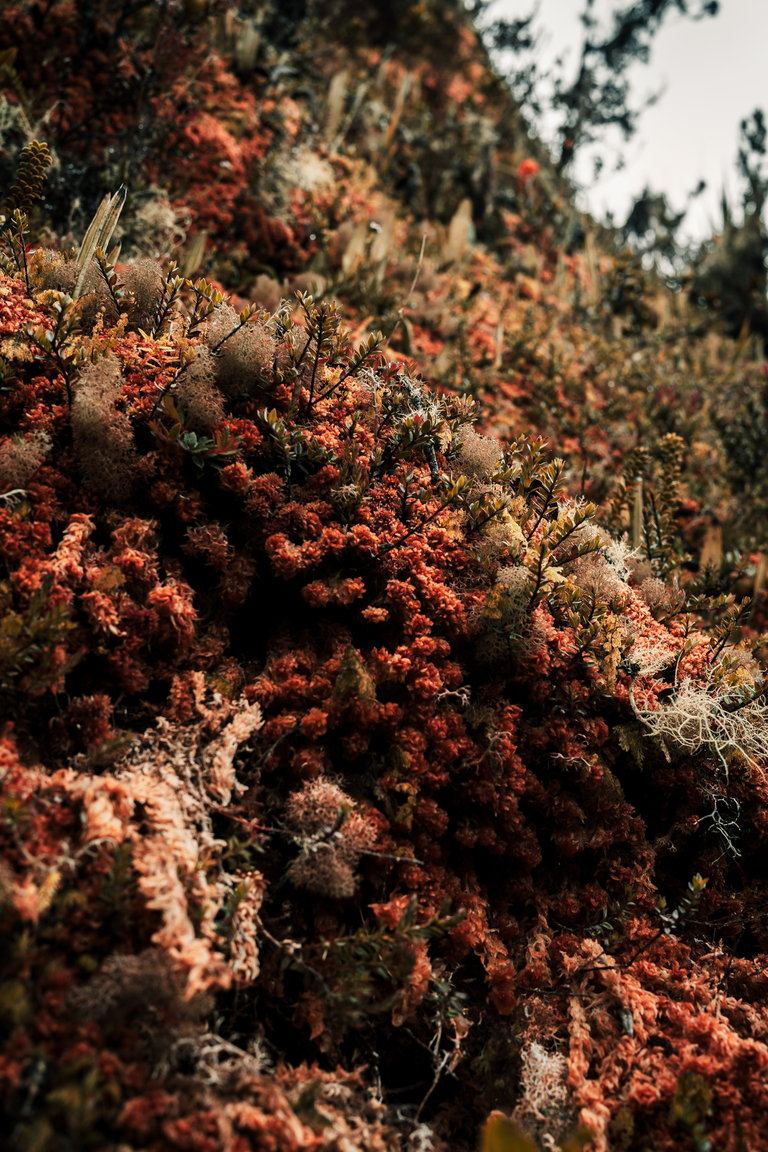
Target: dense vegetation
383,753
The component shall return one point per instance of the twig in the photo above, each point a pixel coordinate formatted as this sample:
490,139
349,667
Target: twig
433,1085
401,310
253,825
418,269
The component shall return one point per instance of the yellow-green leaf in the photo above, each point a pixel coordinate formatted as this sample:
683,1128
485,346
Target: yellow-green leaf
576,1141
501,1135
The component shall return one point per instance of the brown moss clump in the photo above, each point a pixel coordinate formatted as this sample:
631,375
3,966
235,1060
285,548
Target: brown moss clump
144,282
477,454
20,458
333,837
245,357
102,434
202,400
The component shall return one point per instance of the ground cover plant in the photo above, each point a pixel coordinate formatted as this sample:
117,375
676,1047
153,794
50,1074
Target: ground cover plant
383,756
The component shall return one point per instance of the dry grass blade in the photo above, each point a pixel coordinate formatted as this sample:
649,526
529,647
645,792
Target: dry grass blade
99,233
194,257
91,231
337,93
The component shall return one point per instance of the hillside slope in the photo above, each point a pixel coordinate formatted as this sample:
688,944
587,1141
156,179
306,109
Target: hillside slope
384,740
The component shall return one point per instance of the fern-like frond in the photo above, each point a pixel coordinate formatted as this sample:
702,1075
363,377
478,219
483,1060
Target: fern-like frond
34,162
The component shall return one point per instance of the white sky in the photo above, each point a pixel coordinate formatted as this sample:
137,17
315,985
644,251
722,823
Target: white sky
714,72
